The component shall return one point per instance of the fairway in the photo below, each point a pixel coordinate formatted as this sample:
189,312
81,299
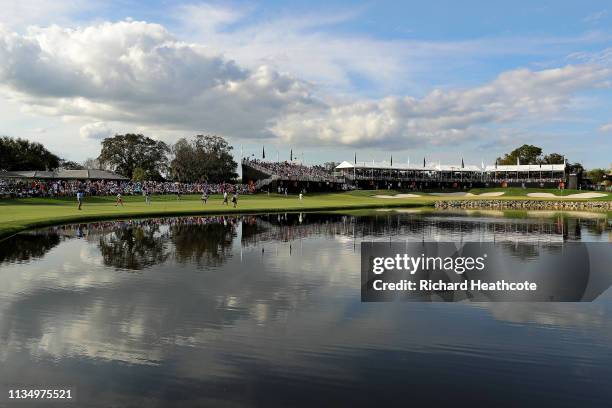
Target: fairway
20,214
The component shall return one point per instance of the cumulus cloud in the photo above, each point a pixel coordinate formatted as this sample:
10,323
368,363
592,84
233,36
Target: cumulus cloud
607,128
442,117
95,131
139,74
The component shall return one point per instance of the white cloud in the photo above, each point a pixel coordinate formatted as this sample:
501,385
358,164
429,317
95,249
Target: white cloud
442,117
595,17
309,46
18,14
137,74
607,128
95,131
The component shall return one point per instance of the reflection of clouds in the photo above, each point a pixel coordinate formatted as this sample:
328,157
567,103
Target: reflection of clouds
549,314
280,311
588,315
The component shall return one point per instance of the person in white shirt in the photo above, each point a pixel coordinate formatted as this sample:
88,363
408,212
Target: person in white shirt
80,199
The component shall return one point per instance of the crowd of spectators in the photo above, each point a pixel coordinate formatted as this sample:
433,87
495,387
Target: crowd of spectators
62,188
290,169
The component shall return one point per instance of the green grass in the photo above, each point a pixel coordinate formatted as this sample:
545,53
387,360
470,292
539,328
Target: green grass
20,214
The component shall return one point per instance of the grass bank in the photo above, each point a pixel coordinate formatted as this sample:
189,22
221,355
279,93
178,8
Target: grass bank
21,214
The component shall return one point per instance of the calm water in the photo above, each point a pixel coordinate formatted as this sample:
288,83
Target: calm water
266,311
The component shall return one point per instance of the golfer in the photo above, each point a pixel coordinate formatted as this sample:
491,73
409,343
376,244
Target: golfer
80,199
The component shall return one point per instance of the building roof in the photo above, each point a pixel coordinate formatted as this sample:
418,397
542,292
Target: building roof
526,167
451,167
63,175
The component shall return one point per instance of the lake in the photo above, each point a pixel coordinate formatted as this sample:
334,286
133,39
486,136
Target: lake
265,310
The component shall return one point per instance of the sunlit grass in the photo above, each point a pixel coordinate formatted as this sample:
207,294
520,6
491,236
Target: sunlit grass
20,214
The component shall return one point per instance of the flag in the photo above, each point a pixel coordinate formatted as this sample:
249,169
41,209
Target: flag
423,162
518,163
462,164
495,164
355,158
263,152
482,164
291,156
391,160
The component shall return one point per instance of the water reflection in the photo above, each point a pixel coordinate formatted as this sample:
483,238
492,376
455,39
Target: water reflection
265,310
133,247
203,241
26,246
138,244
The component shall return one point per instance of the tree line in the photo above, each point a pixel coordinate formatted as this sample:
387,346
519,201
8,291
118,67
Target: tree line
530,154
138,157
201,158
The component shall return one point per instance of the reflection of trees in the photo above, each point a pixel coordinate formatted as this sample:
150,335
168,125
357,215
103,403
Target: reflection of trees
288,227
23,247
133,247
293,226
207,244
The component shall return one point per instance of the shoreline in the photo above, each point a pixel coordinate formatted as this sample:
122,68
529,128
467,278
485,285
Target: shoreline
7,232
519,204
23,215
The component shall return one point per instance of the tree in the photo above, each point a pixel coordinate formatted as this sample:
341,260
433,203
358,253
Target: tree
526,154
125,153
70,165
597,175
204,158
20,154
138,174
575,168
553,158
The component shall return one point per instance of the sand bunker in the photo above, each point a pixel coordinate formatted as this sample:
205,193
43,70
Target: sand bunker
460,194
397,196
492,194
578,195
541,195
587,195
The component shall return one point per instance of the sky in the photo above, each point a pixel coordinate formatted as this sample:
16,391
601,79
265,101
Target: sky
444,80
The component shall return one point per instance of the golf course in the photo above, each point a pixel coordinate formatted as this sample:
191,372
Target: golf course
21,214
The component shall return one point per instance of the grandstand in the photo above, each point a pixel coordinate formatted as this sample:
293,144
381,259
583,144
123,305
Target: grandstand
292,176
365,174
371,175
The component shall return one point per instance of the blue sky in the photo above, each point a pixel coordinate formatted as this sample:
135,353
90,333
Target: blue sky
442,79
